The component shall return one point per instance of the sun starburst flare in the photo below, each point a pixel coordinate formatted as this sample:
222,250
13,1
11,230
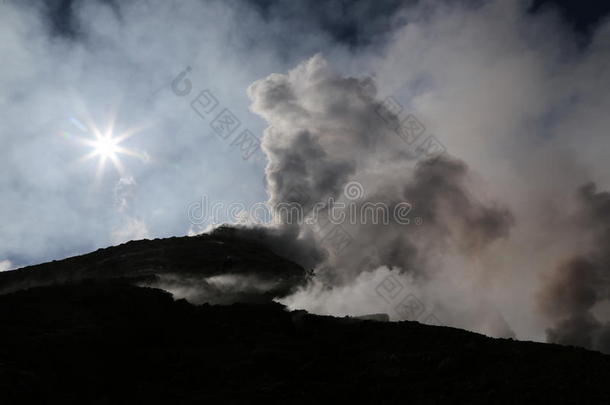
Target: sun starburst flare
106,146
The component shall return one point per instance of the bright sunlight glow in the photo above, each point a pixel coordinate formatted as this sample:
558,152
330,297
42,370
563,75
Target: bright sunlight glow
106,146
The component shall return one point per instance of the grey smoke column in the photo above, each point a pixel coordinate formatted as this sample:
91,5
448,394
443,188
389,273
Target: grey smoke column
582,281
324,131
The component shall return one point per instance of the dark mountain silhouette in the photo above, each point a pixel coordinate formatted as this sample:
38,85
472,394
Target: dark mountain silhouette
87,334
168,261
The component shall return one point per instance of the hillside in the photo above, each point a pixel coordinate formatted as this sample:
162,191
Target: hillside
256,271
110,342
88,329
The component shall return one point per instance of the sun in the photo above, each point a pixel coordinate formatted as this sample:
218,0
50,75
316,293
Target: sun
106,146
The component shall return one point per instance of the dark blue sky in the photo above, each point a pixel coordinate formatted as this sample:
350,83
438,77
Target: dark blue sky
350,21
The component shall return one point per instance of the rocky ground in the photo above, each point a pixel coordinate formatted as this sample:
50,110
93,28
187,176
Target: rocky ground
89,330
107,342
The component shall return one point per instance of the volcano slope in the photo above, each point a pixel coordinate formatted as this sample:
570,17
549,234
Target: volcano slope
220,267
75,338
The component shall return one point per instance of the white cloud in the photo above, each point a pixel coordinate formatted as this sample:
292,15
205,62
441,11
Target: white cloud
132,229
5,265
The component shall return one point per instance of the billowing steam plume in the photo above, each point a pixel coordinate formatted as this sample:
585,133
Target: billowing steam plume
413,207
578,286
491,238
